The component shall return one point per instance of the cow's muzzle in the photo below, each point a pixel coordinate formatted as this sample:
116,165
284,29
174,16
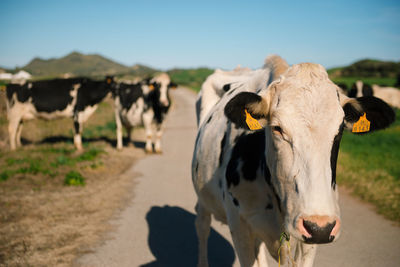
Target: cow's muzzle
318,229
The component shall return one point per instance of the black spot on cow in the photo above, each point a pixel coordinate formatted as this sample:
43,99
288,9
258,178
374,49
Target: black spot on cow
22,92
235,202
129,94
221,155
249,150
269,206
334,154
91,93
367,90
353,91
52,95
226,87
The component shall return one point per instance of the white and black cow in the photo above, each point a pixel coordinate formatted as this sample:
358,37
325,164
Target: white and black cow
221,81
50,99
143,103
279,178
390,95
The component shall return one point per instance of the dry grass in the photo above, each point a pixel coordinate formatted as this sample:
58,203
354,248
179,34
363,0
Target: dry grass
44,222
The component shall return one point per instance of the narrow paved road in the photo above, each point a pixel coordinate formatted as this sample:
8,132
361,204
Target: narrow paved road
157,226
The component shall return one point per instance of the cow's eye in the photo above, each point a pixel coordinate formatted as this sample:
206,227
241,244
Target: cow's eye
277,130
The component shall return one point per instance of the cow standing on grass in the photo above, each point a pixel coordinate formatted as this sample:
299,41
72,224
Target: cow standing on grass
143,103
265,164
75,98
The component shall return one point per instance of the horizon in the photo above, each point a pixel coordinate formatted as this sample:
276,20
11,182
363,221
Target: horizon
222,34
146,65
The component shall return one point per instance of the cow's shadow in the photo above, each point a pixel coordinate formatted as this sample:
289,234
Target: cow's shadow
173,240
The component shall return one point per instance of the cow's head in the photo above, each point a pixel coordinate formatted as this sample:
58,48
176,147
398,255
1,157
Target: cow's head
162,82
303,115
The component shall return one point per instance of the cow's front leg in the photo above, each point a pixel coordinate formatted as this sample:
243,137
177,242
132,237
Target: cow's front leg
244,242
159,133
119,129
13,125
19,132
305,254
147,120
203,222
77,135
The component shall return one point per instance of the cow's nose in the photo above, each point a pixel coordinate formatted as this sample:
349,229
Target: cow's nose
318,229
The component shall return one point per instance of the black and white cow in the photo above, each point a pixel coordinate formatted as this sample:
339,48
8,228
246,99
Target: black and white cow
278,179
142,104
76,98
390,95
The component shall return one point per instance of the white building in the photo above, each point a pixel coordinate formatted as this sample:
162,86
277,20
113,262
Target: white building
21,75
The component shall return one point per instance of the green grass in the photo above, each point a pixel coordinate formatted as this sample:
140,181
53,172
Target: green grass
46,161
369,166
192,78
74,178
349,81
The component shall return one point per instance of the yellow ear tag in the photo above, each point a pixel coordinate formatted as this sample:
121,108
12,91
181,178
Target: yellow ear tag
362,125
251,122
151,87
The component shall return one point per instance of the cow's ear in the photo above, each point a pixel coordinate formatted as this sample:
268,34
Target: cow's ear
248,110
366,114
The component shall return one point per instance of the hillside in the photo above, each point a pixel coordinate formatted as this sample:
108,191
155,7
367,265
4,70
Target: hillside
368,68
77,64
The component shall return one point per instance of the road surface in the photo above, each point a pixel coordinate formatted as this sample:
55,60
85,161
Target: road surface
157,226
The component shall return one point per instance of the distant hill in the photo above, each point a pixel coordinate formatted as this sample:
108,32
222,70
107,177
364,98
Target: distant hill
77,64
368,68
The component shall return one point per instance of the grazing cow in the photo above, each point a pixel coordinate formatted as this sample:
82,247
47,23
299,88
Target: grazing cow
143,103
49,99
390,95
221,81
265,163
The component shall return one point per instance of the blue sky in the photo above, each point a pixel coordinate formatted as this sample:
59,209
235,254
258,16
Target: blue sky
172,33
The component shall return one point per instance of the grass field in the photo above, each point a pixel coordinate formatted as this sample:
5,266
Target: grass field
369,166
349,81
55,202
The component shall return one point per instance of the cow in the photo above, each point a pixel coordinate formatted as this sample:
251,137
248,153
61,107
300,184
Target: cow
265,160
75,98
221,81
143,103
390,95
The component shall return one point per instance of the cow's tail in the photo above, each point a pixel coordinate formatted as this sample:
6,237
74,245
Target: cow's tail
277,65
